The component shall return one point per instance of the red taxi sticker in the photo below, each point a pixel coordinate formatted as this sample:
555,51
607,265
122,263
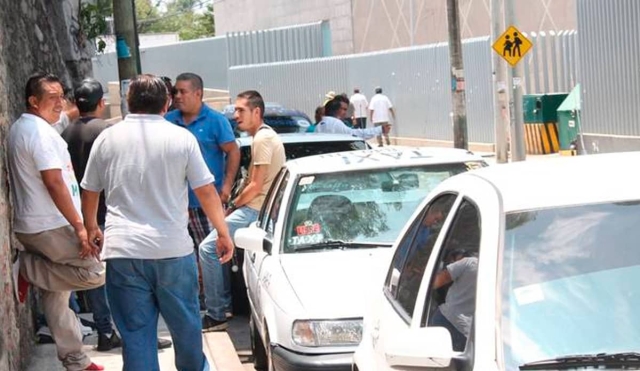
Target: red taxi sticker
308,228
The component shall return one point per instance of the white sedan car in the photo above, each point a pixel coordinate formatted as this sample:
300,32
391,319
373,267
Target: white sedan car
320,244
532,266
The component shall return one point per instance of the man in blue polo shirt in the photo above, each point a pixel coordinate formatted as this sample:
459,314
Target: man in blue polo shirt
220,152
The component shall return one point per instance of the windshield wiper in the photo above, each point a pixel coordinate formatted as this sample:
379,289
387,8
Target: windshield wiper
601,360
343,245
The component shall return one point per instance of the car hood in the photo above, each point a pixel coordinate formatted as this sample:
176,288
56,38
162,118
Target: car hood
336,283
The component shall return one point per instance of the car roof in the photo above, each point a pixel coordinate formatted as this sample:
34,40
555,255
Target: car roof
379,157
564,180
305,138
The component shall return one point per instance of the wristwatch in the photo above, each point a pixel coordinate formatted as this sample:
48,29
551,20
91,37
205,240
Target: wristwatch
231,205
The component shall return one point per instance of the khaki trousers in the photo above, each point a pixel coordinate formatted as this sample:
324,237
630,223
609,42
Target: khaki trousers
52,263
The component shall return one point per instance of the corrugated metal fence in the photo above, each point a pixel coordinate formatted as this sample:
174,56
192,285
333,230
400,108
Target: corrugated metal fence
206,57
416,80
609,55
278,44
211,57
551,66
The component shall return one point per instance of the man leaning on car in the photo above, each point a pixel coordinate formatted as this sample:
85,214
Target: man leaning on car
267,157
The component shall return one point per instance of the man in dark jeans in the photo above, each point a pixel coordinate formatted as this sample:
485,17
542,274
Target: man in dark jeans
80,136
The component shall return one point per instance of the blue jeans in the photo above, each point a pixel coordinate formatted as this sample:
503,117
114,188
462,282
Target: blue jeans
215,278
97,299
140,290
458,340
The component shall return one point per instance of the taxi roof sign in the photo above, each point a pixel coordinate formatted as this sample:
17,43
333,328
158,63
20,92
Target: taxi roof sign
512,45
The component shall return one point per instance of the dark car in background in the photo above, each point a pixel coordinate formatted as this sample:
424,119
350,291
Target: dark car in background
281,119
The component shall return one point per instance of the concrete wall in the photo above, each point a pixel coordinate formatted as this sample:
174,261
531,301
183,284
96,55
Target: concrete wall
250,15
370,25
29,40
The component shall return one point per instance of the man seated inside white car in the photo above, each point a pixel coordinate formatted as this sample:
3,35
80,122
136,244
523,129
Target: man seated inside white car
456,313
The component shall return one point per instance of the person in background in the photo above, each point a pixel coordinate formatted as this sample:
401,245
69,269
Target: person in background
360,106
170,90
317,118
331,123
379,109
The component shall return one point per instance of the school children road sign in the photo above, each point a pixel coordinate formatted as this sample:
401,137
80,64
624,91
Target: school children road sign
512,45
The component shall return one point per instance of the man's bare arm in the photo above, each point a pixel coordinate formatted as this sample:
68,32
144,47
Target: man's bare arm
90,201
442,278
231,170
252,190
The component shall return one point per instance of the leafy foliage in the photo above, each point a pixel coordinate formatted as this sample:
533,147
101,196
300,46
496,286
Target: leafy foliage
92,22
189,18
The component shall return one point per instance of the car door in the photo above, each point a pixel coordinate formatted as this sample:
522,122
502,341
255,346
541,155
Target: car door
471,237
409,261
266,221
475,229
253,260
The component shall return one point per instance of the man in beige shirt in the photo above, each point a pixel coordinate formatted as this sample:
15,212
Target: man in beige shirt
267,157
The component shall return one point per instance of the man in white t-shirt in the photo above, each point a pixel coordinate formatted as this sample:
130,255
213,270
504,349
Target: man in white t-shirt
145,164
379,109
360,106
58,256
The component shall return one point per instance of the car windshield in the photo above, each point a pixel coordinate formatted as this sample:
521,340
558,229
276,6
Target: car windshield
570,282
360,206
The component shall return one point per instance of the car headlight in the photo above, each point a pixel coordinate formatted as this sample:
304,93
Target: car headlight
319,333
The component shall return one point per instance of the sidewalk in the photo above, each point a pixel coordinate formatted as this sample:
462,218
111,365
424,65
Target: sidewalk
44,357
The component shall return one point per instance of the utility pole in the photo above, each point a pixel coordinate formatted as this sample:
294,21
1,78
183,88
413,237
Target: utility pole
518,150
500,97
459,114
126,46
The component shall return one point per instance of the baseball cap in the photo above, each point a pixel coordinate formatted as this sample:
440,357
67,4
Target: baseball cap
328,97
88,94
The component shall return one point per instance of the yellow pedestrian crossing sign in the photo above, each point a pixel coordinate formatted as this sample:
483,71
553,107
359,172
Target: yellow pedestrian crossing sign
512,45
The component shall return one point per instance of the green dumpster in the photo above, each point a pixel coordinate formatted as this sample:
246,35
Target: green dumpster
540,122
569,121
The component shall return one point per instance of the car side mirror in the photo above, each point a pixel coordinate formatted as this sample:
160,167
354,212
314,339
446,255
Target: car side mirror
429,347
252,238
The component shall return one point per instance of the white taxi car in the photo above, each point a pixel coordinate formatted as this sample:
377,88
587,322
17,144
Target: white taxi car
321,240
534,266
